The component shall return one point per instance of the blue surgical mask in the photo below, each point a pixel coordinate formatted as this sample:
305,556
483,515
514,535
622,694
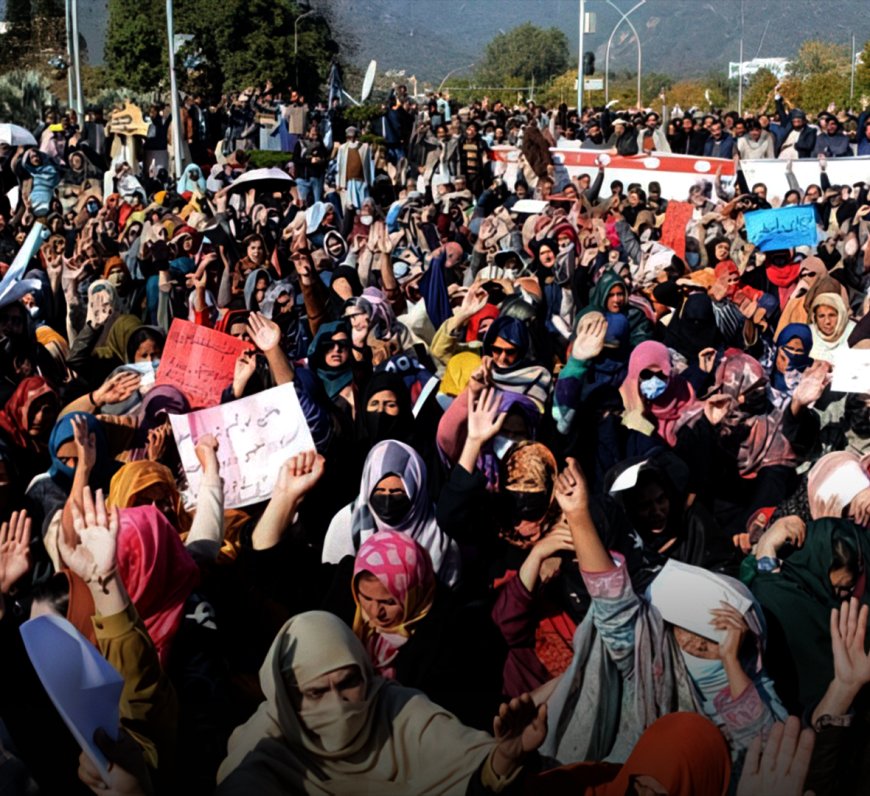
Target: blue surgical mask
652,387
708,675
692,259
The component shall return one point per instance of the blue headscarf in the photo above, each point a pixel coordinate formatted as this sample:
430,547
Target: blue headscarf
510,329
796,362
334,379
61,474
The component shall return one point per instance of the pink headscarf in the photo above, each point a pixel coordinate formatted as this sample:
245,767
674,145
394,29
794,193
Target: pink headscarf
158,572
404,568
668,407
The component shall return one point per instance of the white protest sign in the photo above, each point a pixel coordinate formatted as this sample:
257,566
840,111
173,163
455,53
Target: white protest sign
851,370
684,596
255,435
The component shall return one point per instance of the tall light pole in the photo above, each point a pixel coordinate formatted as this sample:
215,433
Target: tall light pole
304,14
852,78
740,70
173,89
70,69
580,60
74,34
452,72
623,18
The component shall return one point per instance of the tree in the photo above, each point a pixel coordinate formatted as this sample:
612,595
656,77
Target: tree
525,52
758,92
818,58
135,51
862,73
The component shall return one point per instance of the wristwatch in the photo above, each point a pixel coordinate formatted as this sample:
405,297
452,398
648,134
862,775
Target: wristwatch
767,564
827,720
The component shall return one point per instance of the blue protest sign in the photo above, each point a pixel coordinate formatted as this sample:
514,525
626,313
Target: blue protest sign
782,228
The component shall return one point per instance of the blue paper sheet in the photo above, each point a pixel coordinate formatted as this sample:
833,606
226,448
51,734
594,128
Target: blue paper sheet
782,228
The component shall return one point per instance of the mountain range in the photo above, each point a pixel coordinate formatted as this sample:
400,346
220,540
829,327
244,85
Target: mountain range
683,38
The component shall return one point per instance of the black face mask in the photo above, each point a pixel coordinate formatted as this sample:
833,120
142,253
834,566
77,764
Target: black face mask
381,426
755,403
531,506
392,509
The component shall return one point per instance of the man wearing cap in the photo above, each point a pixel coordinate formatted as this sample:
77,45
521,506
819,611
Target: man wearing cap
355,169
799,140
623,140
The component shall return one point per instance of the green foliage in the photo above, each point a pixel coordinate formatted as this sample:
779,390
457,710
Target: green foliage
24,95
758,92
360,115
525,52
862,73
820,58
247,42
264,159
135,51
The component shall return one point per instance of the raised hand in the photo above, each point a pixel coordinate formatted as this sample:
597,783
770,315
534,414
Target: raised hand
298,475
265,334
519,728
473,302
155,444
791,530
99,308
591,334
245,367
14,550
480,379
730,620
859,508
206,452
92,557
706,359
717,408
116,388
484,418
570,490
848,629
782,769
85,442
814,381
128,772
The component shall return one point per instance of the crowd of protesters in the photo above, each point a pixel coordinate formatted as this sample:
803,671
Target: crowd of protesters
545,444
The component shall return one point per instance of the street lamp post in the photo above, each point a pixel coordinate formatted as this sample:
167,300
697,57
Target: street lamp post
173,89
296,42
623,18
70,67
74,34
580,61
451,72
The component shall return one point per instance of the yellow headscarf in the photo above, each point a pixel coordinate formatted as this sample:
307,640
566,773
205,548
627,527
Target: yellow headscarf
136,477
459,370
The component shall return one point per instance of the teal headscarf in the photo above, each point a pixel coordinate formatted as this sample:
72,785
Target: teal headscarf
334,379
63,432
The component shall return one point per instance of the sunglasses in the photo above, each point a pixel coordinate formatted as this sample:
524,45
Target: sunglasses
498,350
338,345
648,374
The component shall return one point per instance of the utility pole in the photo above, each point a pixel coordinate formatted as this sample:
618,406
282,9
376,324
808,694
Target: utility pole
624,18
173,89
740,70
74,34
580,59
852,79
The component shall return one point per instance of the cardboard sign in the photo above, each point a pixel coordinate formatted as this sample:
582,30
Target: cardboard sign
677,216
782,228
84,687
199,361
255,435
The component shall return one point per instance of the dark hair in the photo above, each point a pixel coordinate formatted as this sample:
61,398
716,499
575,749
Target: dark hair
845,556
139,336
54,591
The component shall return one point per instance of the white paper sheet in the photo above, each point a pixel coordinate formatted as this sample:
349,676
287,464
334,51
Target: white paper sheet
851,370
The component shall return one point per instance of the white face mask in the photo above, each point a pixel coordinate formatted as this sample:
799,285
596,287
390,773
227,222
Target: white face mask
367,220
116,278
335,722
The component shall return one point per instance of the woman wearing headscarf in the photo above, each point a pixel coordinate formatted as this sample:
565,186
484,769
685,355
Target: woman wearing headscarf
741,451
611,294
393,496
26,422
506,346
791,357
555,272
692,330
256,285
386,411
691,647
151,419
813,271
94,362
667,520
330,726
831,326
256,256
654,396
416,631
798,594
459,369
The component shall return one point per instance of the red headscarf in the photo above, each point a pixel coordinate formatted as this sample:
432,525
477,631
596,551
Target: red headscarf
668,407
157,570
15,416
472,330
725,269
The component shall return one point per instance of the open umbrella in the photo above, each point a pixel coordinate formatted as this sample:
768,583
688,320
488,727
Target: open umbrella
15,135
264,180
